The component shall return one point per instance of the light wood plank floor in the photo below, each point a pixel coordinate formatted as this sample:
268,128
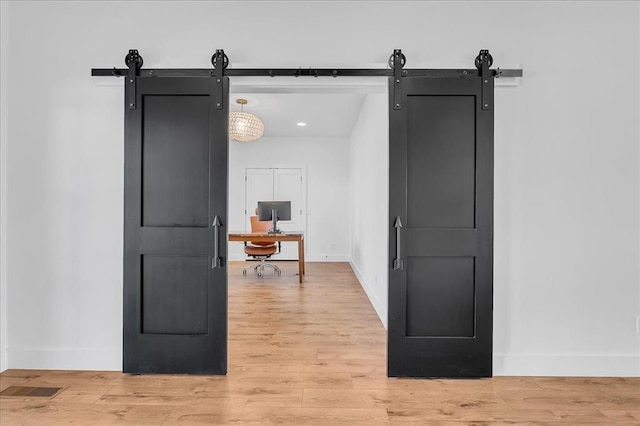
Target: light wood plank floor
311,354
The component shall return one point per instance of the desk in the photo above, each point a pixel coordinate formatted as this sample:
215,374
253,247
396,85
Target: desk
266,237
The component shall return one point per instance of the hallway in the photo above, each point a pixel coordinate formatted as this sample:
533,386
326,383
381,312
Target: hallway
324,325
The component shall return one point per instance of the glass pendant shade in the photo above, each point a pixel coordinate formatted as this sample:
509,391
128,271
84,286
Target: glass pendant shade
243,126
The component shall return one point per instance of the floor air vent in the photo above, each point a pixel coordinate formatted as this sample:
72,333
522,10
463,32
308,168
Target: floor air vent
29,391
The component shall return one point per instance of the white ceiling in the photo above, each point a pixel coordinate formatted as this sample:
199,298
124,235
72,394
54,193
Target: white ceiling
329,106
326,114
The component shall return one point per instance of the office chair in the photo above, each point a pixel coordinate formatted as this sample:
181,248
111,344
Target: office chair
261,250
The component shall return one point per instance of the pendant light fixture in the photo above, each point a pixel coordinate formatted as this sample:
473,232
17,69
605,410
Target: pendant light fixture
243,126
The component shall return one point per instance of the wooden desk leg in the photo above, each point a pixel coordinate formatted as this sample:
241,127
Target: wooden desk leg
304,270
300,258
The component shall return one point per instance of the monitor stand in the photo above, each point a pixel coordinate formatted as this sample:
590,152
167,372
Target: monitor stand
274,222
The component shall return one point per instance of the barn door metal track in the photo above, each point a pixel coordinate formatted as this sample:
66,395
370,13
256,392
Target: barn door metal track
220,62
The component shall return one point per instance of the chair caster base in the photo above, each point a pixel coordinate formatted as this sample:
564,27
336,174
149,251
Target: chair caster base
259,269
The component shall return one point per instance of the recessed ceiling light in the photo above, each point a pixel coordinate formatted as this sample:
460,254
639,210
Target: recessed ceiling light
302,124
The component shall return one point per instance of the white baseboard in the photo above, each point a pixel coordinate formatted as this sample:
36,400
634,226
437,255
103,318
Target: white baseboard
327,258
377,304
240,257
66,359
4,359
579,365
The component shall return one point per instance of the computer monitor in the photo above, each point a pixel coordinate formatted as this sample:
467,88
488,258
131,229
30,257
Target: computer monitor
274,211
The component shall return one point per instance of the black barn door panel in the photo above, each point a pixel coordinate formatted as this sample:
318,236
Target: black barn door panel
175,185
441,188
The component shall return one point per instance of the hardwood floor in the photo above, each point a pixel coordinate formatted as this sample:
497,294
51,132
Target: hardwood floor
311,353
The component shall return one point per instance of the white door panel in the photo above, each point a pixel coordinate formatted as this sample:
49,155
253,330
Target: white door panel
287,186
258,187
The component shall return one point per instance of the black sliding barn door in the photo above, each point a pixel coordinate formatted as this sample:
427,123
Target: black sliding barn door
441,189
175,286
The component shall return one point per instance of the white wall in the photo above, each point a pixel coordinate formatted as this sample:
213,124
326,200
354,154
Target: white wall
566,205
566,210
369,171
326,161
4,101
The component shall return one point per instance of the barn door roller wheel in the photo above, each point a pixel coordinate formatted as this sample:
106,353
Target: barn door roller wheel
484,55
225,59
392,60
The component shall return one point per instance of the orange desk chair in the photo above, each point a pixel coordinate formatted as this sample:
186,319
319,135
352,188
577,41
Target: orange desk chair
261,250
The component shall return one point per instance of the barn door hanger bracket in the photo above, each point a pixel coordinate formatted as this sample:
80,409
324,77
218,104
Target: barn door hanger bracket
397,61
483,62
134,62
220,62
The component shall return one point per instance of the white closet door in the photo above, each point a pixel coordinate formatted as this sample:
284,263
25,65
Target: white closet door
258,187
287,186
